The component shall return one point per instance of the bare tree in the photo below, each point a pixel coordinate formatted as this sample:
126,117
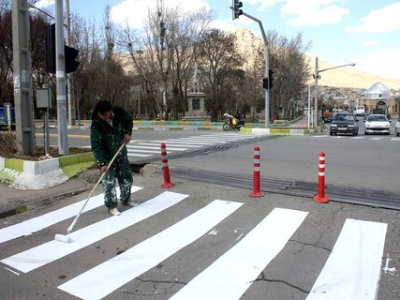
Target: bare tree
220,60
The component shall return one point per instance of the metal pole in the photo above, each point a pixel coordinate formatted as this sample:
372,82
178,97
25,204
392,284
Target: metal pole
309,107
24,119
266,92
316,93
71,105
60,75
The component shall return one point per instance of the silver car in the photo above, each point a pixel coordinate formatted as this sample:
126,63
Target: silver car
377,123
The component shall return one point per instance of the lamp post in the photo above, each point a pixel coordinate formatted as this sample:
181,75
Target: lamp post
316,77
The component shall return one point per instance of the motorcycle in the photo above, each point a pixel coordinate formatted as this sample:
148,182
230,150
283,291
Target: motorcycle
232,123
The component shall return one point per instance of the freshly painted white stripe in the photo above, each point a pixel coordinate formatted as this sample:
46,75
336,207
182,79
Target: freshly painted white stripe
137,155
321,166
109,276
233,273
46,253
143,151
352,270
169,144
35,224
321,173
156,148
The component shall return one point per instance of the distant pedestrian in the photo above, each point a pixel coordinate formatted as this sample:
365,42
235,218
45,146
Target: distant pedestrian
112,126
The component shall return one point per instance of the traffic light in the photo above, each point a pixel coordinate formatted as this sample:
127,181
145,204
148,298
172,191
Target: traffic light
271,79
70,59
70,53
236,11
265,83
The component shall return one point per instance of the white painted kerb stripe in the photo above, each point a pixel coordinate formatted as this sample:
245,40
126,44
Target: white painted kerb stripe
109,276
33,225
46,253
353,269
232,274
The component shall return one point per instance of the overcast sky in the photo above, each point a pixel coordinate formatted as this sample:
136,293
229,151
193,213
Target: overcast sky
365,32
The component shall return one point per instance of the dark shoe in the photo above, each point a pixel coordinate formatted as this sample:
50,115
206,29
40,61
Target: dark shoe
130,203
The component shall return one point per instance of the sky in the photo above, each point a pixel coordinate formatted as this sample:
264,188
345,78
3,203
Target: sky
364,32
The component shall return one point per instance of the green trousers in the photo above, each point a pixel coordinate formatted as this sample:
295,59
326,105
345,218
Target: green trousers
121,171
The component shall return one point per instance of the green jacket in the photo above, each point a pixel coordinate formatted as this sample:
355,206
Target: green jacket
105,139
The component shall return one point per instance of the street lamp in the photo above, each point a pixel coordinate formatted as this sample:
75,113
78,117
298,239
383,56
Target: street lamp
316,77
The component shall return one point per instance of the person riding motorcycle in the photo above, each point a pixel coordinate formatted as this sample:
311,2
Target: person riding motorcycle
232,122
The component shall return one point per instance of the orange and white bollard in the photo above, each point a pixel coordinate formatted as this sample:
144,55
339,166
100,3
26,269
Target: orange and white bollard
321,197
164,160
256,175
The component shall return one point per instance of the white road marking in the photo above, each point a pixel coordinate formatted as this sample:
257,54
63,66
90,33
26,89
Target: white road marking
169,144
232,274
352,270
35,224
46,253
109,276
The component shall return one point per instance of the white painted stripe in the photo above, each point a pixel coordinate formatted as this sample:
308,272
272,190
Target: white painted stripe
138,155
180,142
156,148
352,270
233,273
46,253
169,144
357,138
321,173
321,166
376,139
144,151
33,225
107,277
396,139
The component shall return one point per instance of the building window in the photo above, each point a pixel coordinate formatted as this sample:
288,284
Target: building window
196,104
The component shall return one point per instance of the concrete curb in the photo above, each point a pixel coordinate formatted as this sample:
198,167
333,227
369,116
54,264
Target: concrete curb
36,175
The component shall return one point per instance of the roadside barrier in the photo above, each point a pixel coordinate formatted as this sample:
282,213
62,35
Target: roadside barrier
164,160
321,197
256,175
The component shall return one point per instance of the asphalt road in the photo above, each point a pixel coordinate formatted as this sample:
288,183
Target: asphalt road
274,247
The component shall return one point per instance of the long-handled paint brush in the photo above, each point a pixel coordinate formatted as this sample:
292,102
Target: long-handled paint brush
66,238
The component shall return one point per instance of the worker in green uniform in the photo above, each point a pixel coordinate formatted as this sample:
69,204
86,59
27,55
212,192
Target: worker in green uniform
112,126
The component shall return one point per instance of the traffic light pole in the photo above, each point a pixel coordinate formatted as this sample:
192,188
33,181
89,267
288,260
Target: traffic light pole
266,91
60,76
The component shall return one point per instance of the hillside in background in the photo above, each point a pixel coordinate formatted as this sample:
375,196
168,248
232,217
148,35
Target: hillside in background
347,77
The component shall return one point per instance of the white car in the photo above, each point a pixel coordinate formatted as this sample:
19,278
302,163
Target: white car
397,127
377,123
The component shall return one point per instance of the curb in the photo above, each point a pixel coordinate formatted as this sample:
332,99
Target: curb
36,175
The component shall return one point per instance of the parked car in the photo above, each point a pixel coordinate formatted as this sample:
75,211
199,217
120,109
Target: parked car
344,122
397,127
377,123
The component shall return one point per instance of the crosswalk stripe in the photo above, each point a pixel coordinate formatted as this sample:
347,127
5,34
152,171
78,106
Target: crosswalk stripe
138,155
143,151
46,253
251,255
107,277
35,224
352,270
170,144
